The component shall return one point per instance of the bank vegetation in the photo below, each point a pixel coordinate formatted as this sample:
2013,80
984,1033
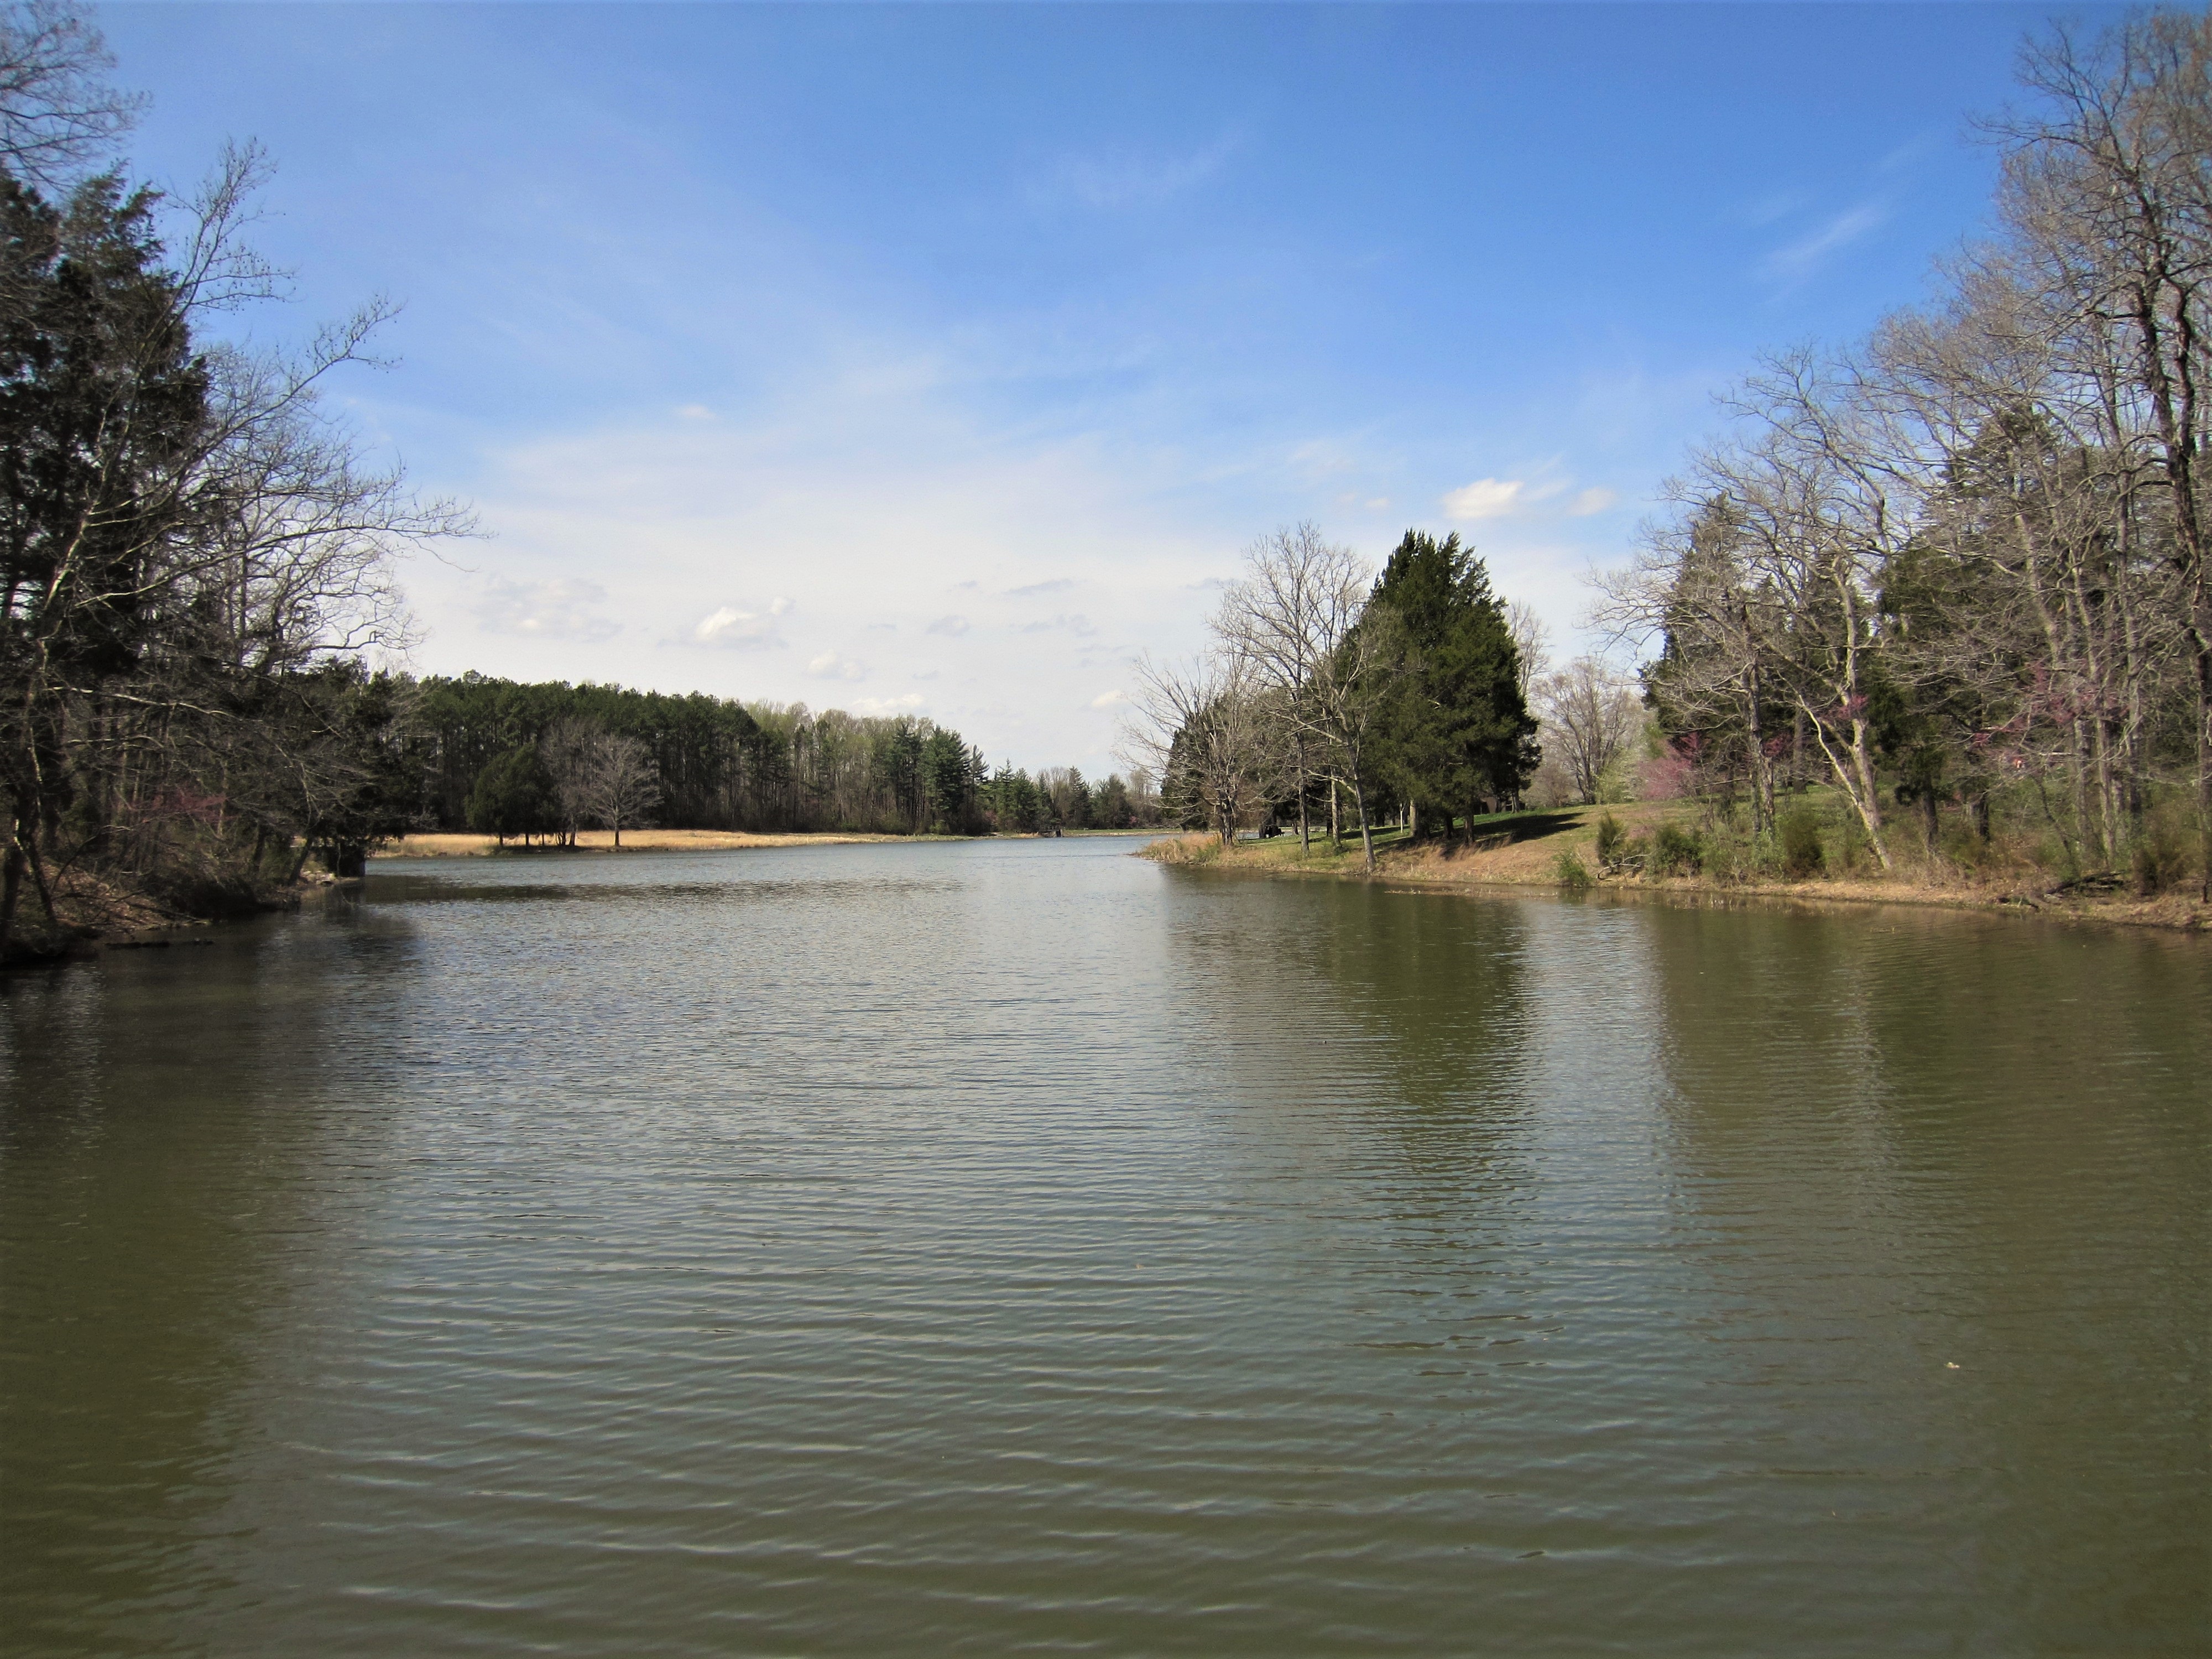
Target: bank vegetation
1931,610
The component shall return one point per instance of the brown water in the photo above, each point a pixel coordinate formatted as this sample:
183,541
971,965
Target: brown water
1018,1246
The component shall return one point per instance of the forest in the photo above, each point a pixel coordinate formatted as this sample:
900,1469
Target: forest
542,761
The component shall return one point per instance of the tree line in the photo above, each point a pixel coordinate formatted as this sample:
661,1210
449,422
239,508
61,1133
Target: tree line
1959,568
545,760
1329,691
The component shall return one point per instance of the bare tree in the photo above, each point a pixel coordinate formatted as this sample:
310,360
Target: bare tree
1591,714
1344,703
1198,727
623,786
57,111
2107,201
571,749
1298,599
1532,643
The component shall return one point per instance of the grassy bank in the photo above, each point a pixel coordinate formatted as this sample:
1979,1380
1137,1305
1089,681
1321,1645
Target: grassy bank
1709,860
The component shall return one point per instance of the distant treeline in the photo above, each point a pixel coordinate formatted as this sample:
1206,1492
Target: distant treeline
532,760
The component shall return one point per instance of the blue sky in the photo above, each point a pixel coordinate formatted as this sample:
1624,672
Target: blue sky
941,358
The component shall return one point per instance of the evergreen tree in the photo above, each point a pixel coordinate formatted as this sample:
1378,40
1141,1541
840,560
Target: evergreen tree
514,796
1456,732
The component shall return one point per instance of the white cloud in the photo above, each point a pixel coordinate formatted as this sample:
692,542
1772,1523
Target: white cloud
738,629
1803,257
695,412
552,609
1109,700
1594,500
1485,498
1036,590
951,627
831,667
714,517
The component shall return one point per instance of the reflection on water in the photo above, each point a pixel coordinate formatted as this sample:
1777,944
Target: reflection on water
1003,1246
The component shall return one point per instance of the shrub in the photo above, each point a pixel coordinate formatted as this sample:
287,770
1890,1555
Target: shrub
1572,874
1964,845
2161,857
1611,839
1182,849
1802,855
1675,851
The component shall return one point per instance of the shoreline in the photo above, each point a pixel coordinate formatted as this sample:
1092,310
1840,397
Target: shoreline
464,844
1525,866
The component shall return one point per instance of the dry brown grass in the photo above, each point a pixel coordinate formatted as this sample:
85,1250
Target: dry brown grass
603,841
1182,849
1532,863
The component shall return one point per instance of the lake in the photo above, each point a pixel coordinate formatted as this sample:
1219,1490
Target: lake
1018,1247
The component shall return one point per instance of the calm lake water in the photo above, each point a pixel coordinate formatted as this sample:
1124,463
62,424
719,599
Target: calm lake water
1018,1246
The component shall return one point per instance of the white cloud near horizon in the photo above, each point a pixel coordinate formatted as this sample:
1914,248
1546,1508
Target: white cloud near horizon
865,507
906,704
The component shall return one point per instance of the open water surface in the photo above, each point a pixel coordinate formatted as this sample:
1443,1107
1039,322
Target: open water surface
1020,1248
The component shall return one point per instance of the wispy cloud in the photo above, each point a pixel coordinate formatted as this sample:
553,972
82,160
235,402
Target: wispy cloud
1587,501
831,667
1078,624
1109,700
1778,204
1037,590
1114,179
950,627
1801,258
553,609
694,412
